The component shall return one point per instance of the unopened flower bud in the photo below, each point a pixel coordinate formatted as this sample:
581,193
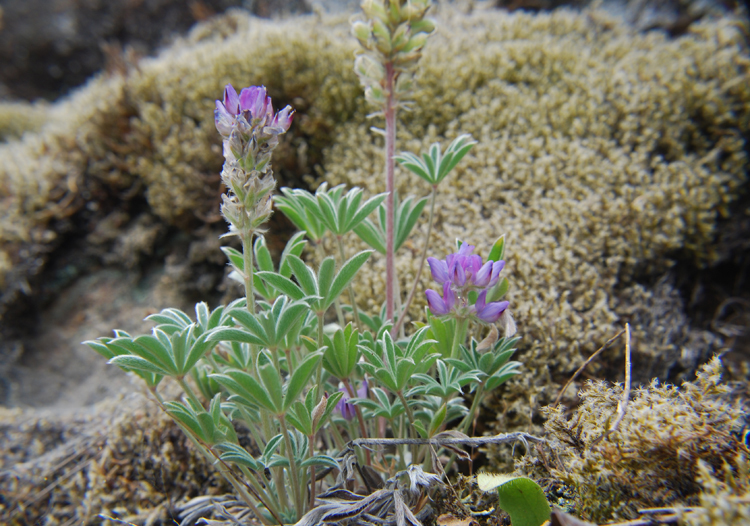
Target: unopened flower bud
374,9
424,25
318,410
416,42
382,37
362,32
400,36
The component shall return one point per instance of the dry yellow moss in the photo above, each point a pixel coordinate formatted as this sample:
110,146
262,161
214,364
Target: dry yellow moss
662,454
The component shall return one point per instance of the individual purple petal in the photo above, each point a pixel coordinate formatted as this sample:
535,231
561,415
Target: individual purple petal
449,298
436,303
255,100
283,119
482,277
344,407
439,270
472,264
489,312
223,119
459,276
465,249
362,391
497,267
231,100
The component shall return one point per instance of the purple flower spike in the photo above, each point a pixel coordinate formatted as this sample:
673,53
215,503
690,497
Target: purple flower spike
489,312
439,270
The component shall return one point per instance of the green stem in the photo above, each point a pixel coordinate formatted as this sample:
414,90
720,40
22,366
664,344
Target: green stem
339,313
319,375
360,419
469,418
296,488
352,298
413,290
459,337
247,252
189,391
410,417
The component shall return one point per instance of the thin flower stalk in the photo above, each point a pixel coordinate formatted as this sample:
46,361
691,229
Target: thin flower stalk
423,258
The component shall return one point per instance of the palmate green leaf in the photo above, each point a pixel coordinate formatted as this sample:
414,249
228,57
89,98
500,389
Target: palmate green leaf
199,348
442,332
432,166
271,446
437,421
100,346
271,379
414,164
136,363
342,353
282,284
263,258
325,276
230,334
294,247
361,212
505,373
345,275
408,216
171,317
305,276
152,350
235,257
521,497
453,155
247,387
320,460
187,417
301,375
371,234
300,418
238,455
292,207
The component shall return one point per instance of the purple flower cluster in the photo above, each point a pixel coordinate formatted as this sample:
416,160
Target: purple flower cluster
460,274
254,106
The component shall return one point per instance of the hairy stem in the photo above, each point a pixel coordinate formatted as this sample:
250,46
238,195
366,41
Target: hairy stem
360,418
294,472
413,290
465,426
352,298
247,252
390,148
459,337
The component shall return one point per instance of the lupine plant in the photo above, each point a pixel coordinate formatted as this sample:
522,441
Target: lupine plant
278,386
